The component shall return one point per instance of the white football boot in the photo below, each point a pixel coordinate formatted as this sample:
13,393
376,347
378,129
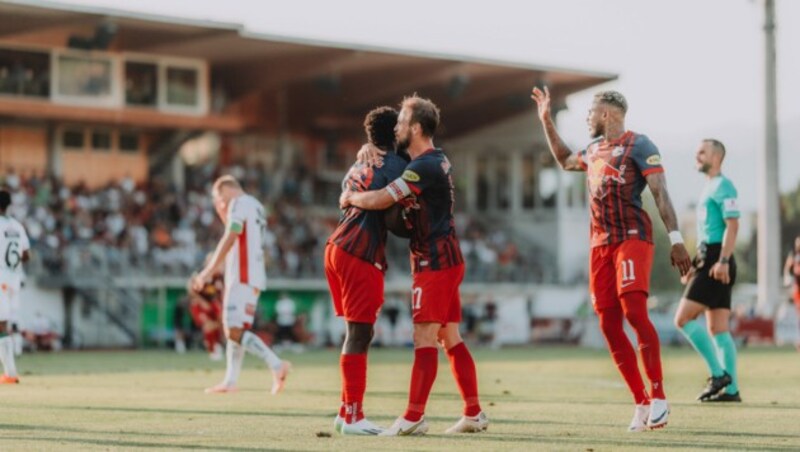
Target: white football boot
403,427
362,427
640,417
337,423
659,414
470,424
279,377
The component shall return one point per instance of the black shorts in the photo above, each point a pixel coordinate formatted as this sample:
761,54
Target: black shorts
704,289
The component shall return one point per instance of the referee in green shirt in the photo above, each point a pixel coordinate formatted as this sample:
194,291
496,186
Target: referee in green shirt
709,286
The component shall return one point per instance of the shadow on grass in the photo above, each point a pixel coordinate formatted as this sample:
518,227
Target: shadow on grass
118,443
645,440
48,428
196,412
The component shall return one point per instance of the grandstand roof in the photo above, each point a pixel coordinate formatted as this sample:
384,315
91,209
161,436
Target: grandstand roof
326,85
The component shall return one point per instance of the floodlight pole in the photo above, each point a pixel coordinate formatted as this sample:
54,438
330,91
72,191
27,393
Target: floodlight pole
769,253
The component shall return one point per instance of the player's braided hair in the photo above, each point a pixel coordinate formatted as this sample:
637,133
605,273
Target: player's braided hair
613,98
379,125
423,112
5,200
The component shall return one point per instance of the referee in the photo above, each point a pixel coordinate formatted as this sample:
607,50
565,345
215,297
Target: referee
709,285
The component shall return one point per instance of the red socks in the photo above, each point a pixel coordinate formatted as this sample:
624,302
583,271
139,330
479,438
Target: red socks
463,368
622,352
423,374
354,383
634,305
210,339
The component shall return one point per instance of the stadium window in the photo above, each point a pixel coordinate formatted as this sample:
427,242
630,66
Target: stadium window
72,139
24,73
101,140
183,87
129,142
141,84
84,76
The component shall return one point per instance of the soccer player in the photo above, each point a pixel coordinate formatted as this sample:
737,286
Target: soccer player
241,248
619,164
205,307
15,249
791,271
426,186
709,285
355,263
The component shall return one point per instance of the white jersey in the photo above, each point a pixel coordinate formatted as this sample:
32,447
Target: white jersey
13,242
244,263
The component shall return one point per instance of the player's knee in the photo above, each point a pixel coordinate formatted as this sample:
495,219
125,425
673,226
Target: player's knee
449,338
234,334
359,336
425,337
715,329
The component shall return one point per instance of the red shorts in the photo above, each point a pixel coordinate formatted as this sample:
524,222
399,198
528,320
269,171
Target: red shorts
617,269
204,312
356,286
435,296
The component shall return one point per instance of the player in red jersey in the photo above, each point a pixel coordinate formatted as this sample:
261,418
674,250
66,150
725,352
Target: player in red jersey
619,164
791,271
205,307
426,187
355,263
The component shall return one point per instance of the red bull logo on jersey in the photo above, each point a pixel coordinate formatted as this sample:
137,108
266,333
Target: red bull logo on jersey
600,172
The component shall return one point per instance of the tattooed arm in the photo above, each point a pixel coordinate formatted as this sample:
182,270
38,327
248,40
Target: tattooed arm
658,186
568,160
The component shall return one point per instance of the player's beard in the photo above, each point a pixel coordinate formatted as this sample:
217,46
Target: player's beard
595,131
704,167
404,142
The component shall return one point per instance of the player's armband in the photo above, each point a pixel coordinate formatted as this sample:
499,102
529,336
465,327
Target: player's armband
235,227
398,189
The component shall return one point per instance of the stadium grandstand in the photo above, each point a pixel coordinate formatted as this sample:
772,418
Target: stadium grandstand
113,125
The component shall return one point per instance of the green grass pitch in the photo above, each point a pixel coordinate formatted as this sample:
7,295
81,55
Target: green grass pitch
536,398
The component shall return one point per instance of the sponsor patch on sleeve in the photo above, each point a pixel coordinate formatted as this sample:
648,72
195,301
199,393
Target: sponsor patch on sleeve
731,205
410,176
654,160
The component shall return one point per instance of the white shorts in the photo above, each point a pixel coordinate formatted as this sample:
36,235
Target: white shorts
239,305
6,296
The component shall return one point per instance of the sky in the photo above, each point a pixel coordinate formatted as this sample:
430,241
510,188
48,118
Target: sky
690,69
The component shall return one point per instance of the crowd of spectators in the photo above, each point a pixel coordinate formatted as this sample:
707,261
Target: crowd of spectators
127,228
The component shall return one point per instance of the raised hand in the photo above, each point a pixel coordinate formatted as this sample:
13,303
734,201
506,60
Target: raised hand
542,99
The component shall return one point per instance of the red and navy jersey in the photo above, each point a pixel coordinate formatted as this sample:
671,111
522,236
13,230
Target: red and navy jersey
362,233
426,189
616,173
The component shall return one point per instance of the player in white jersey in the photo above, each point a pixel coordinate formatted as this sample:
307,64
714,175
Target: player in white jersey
14,246
242,250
